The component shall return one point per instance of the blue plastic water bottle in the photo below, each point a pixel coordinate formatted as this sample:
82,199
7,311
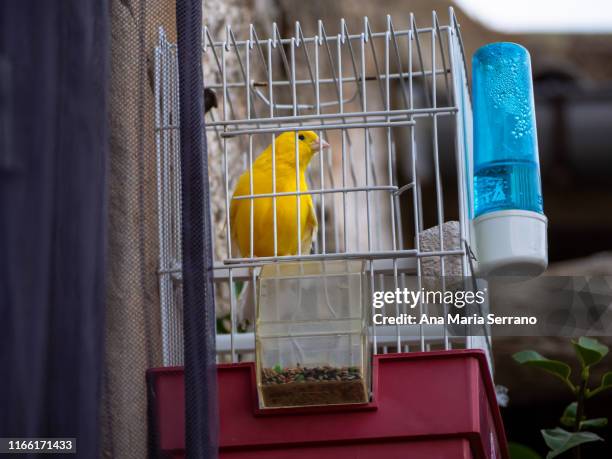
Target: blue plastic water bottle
509,225
506,164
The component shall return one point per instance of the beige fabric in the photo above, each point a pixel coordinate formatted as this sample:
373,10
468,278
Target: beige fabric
133,341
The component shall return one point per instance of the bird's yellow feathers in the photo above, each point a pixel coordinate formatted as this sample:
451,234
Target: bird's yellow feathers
308,143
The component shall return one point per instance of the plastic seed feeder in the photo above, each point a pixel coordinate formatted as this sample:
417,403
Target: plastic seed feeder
311,340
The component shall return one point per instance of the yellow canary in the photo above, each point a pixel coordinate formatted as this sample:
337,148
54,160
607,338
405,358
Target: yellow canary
286,206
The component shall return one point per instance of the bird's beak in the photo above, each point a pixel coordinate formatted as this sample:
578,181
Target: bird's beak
319,145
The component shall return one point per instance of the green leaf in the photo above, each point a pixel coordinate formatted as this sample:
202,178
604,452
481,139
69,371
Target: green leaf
278,368
518,451
594,423
554,367
569,419
560,440
569,415
589,350
606,383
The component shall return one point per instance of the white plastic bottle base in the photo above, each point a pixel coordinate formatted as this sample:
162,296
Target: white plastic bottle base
511,243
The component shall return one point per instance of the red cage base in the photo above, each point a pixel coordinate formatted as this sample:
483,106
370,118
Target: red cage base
426,406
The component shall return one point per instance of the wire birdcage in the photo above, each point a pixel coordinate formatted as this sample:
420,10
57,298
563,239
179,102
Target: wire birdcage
373,95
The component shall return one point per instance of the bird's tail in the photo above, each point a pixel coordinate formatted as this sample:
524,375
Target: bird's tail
245,305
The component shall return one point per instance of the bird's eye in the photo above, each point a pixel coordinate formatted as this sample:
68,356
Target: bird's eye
301,137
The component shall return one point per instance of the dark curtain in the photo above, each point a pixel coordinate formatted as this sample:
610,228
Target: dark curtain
53,149
201,417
